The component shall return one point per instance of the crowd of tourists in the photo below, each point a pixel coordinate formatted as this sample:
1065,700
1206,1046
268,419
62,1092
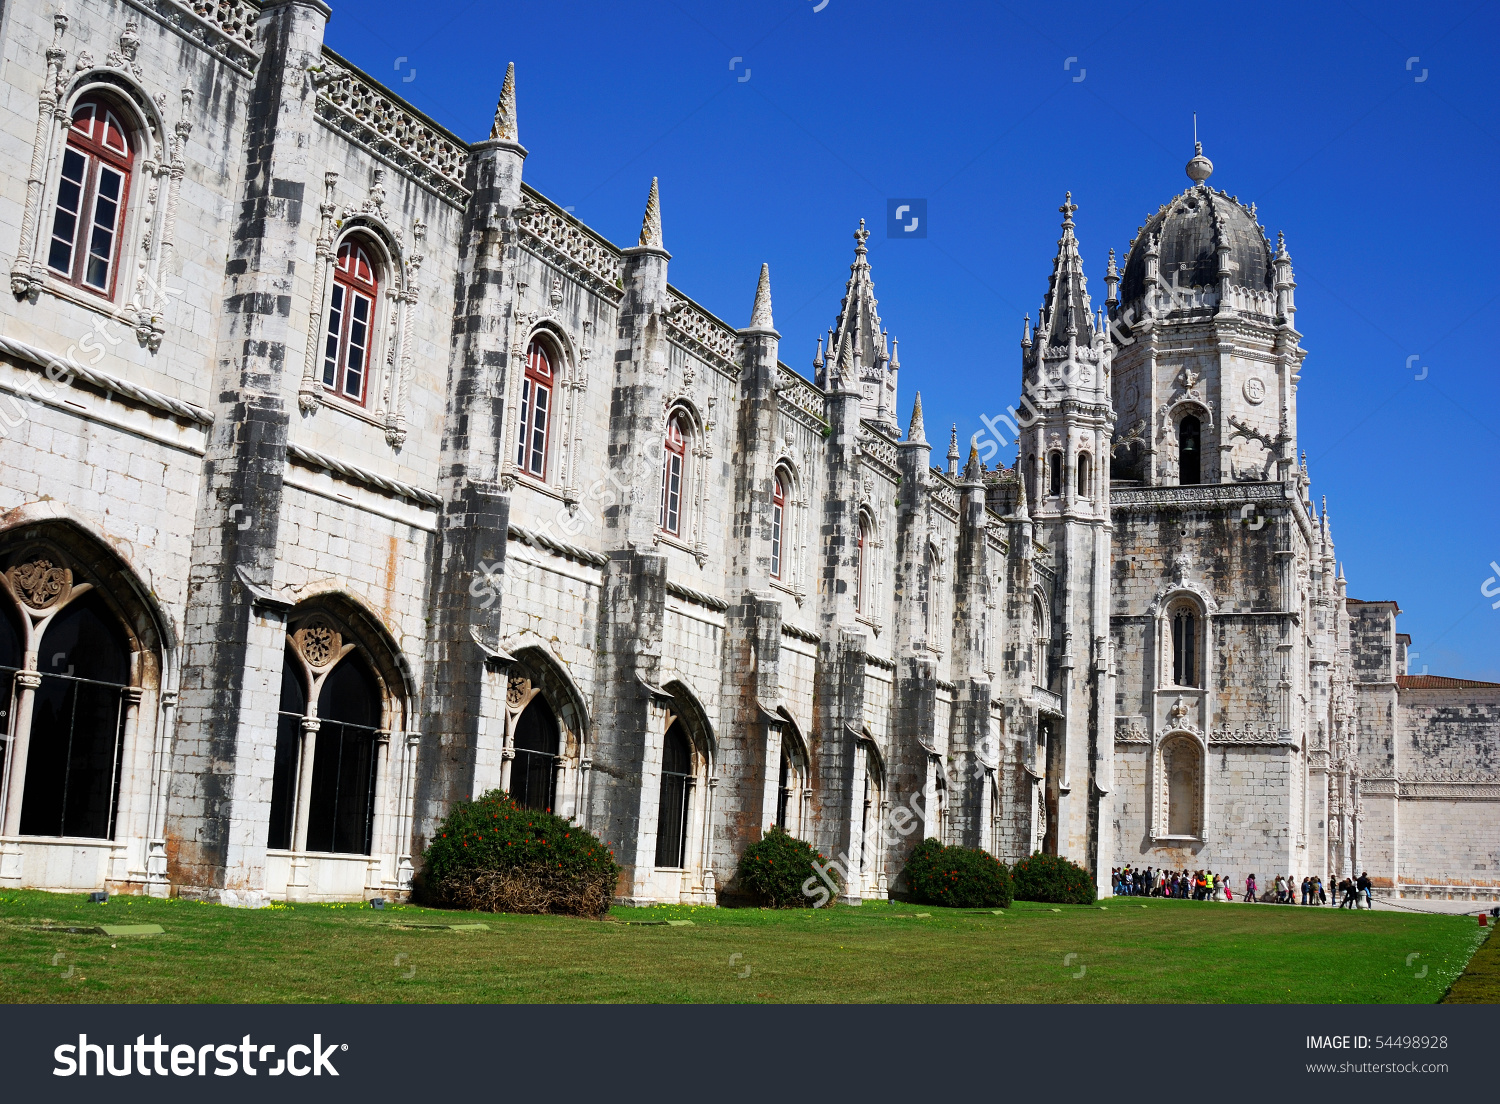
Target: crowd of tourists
1205,885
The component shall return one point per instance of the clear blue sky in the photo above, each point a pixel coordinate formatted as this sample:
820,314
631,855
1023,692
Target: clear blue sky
1383,177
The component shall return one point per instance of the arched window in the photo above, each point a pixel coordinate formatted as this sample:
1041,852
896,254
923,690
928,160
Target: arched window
1189,456
672,812
778,514
536,412
861,550
1182,771
1054,473
783,789
330,744
930,562
533,776
77,724
674,467
1186,640
351,323
1038,643
91,199
1083,475
342,812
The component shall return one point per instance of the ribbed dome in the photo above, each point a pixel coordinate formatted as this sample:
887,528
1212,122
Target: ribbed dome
1188,243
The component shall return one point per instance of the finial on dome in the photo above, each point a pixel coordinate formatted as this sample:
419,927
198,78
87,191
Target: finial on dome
1067,209
1200,168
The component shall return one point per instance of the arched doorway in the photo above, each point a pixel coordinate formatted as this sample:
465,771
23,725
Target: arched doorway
672,810
533,775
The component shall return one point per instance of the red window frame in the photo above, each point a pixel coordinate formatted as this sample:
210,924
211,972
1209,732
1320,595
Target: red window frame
778,514
86,233
350,329
536,412
674,466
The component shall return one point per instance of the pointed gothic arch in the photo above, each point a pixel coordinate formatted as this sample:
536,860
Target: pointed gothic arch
332,784
545,758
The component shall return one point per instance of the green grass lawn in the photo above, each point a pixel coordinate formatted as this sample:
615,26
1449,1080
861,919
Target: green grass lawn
1167,951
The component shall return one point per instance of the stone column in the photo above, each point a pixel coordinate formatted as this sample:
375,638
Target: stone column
27,683
221,784
466,626
632,708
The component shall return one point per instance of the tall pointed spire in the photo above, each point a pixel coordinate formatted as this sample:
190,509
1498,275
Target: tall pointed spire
760,314
504,128
1066,310
858,323
953,452
916,433
972,468
651,224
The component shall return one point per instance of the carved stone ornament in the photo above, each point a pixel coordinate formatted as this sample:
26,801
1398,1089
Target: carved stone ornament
1255,390
517,691
1178,713
39,584
319,643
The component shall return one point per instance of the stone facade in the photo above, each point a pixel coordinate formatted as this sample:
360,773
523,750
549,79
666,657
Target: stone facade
427,489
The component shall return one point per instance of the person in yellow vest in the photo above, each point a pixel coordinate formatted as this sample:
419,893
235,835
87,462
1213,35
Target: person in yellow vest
1209,878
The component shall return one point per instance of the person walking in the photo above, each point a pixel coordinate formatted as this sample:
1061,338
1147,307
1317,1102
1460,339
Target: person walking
1322,893
1365,886
1249,888
1280,890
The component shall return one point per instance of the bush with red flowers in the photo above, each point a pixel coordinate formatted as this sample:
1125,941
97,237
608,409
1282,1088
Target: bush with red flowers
958,877
492,855
1053,880
776,867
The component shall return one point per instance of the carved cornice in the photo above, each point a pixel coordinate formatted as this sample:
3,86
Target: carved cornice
796,632
1249,735
801,396
560,239
311,459
1207,494
688,594
701,334
224,28
562,548
415,146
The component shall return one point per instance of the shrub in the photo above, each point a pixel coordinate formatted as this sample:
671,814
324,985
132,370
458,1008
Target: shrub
778,865
958,877
493,855
1053,880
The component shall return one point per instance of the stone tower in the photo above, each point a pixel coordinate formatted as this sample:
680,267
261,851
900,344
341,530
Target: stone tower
1063,454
